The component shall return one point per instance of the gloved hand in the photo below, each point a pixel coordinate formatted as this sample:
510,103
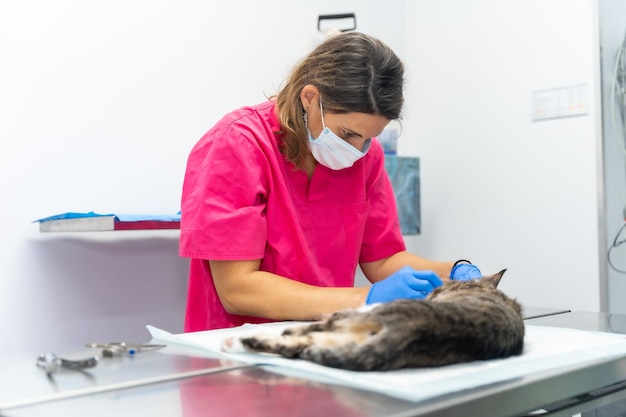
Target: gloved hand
406,283
465,271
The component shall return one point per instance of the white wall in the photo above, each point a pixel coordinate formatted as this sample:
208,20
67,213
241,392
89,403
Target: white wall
100,103
497,188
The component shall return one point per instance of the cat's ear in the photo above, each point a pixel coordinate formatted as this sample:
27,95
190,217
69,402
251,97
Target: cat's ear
495,278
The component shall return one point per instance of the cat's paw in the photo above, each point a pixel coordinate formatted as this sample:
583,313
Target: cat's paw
232,345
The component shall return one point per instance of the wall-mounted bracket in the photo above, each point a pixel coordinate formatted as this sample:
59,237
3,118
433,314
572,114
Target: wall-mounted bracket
343,22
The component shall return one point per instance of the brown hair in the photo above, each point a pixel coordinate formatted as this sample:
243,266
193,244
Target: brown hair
354,72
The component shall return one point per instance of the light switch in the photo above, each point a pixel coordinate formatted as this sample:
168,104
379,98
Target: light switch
559,102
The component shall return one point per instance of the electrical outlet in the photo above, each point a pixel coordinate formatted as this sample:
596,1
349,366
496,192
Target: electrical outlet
559,102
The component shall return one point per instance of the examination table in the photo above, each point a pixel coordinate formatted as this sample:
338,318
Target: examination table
187,381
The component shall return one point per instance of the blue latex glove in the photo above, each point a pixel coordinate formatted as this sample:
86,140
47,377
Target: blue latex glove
406,283
465,272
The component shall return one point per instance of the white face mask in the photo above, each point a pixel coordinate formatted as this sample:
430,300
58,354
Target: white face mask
332,151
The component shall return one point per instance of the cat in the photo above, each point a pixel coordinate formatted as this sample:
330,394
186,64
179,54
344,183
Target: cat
461,321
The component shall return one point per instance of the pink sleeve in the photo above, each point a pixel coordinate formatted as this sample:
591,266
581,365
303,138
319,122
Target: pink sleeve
223,199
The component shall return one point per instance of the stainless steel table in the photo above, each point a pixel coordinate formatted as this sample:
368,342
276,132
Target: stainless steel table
22,383
186,382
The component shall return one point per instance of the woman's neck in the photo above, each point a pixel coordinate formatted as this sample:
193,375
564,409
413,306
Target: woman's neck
309,165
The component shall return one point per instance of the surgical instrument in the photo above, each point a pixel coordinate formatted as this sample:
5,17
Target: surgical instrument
123,348
51,363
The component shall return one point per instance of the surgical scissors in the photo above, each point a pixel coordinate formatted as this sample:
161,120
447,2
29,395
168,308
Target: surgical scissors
122,348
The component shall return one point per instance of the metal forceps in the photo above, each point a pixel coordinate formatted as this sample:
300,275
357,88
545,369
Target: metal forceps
123,349
51,363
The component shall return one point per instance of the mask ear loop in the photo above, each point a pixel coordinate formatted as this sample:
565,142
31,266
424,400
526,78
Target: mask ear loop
322,113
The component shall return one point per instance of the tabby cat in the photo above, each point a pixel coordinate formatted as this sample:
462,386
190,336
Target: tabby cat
461,321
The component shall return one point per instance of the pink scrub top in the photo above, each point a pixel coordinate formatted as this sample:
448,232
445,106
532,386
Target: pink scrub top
242,200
